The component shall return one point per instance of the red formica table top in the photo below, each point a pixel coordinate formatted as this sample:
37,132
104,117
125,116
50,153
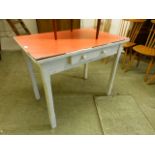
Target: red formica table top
43,45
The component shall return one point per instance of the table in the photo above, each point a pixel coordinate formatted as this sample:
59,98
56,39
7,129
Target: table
70,50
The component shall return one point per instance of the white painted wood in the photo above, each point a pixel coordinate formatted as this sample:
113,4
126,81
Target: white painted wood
113,71
32,75
49,95
86,71
62,63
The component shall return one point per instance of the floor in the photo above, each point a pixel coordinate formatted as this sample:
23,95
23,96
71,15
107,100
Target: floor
81,105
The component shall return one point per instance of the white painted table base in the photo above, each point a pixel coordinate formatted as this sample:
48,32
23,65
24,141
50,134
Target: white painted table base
58,64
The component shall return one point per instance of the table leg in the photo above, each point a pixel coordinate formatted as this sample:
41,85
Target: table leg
98,28
49,96
113,71
54,28
33,78
71,23
85,71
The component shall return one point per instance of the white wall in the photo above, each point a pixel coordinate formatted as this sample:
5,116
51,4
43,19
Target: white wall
89,23
115,26
31,25
6,33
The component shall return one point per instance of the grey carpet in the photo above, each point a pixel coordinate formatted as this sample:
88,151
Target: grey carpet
76,113
121,115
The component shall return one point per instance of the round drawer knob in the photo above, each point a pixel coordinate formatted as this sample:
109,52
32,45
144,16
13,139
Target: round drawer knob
84,57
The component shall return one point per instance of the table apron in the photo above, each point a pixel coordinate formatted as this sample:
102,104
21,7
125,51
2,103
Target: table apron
71,61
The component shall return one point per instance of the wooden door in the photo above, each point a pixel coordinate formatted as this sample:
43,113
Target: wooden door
45,25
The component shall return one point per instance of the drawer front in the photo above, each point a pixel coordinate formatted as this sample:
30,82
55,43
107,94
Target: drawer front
92,55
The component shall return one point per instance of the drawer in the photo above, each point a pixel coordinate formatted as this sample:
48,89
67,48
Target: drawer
92,55
84,57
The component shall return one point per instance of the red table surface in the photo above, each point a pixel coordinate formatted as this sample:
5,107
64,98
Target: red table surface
43,45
